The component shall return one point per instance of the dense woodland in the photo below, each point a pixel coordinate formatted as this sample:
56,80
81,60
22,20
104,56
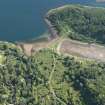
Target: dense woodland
79,22
46,78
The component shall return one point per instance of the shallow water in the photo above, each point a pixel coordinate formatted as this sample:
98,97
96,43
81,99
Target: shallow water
23,19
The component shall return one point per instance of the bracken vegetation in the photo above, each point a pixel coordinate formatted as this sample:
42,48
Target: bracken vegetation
79,22
47,78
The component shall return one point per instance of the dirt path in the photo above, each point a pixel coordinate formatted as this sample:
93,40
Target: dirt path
59,47
76,48
28,48
69,47
50,84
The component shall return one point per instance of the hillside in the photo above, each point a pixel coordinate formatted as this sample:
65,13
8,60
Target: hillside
43,74
46,78
79,22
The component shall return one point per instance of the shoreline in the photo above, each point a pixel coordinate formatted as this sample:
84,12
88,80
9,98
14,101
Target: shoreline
51,28
31,46
28,45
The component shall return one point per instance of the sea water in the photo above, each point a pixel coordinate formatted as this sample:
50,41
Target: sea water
24,19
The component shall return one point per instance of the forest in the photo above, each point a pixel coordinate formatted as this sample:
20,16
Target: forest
83,23
46,78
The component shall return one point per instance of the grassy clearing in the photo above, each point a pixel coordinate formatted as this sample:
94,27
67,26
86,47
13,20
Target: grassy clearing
2,59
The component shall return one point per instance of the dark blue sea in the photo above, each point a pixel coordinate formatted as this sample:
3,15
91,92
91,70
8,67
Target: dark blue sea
24,19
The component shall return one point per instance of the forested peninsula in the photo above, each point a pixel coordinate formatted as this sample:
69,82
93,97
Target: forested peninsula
83,23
